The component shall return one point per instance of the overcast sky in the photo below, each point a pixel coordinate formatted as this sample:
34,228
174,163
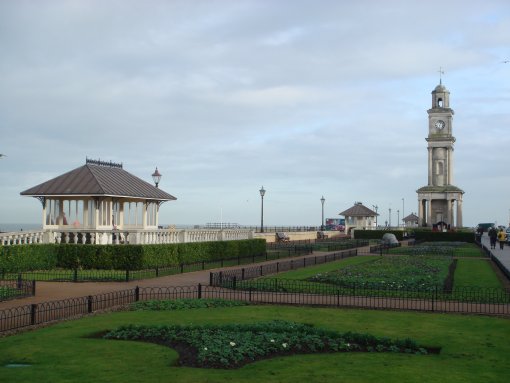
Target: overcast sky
307,98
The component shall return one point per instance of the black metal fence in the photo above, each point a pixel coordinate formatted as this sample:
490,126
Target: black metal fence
226,276
82,275
18,288
472,300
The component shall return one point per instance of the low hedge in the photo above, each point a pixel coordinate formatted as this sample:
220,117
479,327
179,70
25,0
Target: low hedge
122,257
449,236
377,234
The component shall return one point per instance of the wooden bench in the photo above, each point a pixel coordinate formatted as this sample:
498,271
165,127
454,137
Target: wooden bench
282,237
321,235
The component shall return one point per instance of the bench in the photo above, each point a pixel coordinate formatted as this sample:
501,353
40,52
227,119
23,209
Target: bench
321,235
282,237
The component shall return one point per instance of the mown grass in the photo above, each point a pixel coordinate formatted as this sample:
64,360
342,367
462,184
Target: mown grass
475,272
474,281
474,349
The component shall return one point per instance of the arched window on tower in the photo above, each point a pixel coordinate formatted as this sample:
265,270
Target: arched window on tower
439,167
440,102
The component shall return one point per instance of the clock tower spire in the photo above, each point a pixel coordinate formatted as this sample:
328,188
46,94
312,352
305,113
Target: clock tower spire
437,200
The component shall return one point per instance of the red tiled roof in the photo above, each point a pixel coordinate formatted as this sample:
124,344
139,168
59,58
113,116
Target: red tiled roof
96,180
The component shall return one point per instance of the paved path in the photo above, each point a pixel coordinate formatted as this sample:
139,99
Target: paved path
502,255
52,291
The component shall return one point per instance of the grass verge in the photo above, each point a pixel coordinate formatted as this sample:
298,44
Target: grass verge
474,349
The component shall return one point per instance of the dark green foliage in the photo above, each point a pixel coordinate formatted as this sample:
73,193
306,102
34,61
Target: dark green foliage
122,257
231,346
454,236
184,304
27,257
377,234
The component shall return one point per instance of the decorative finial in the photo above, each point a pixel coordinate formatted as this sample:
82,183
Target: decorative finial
441,72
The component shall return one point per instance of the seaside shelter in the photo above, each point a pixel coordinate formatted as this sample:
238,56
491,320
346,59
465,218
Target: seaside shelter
88,203
359,217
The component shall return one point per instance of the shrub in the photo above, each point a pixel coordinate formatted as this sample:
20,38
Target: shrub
122,257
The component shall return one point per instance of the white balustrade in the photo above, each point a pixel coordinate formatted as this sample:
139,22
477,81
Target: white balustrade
132,236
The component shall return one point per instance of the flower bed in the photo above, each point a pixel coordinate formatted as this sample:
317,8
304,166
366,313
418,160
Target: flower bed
232,346
400,272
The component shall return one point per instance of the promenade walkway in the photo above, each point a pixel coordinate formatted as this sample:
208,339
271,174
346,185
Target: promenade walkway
502,255
53,291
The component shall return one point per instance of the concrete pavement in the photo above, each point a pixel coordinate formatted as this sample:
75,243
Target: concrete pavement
503,256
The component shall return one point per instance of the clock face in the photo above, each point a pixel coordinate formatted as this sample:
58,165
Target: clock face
439,124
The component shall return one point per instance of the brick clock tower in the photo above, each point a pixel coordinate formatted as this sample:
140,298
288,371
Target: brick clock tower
440,202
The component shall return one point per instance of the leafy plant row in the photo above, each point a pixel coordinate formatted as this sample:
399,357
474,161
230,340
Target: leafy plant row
122,257
184,304
231,346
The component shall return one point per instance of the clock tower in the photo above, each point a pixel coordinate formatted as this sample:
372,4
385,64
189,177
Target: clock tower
440,202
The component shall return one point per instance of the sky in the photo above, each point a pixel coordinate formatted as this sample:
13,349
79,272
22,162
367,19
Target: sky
305,98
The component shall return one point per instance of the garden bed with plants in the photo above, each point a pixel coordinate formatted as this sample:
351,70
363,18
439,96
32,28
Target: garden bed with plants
406,277
474,348
235,345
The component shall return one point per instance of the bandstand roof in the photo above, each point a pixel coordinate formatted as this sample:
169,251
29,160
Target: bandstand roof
411,218
358,210
97,178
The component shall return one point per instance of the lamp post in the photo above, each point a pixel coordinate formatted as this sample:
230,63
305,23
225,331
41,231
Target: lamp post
156,177
403,215
262,192
389,218
398,218
322,222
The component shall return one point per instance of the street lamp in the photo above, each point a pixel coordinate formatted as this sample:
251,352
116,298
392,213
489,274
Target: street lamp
403,215
389,218
262,192
398,218
322,201
156,176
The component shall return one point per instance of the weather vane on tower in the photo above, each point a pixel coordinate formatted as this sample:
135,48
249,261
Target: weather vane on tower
441,72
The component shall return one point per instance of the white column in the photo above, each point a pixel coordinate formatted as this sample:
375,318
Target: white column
430,166
144,215
459,212
429,212
44,213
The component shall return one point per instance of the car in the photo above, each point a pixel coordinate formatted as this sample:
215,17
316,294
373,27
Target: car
484,227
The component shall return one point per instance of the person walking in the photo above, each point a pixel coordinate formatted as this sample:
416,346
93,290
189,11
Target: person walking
493,236
501,238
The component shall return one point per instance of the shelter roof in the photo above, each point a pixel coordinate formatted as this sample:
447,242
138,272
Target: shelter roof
411,218
358,210
97,178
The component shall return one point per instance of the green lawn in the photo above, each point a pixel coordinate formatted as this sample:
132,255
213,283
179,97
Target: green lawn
474,281
474,349
475,272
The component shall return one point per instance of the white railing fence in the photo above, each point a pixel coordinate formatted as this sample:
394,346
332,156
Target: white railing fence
131,236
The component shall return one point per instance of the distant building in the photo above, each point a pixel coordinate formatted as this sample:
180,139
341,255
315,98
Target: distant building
359,217
411,220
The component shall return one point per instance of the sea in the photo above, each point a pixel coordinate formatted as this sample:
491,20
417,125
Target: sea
9,227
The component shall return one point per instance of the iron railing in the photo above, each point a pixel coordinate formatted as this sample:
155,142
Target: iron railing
466,300
83,275
225,276
15,289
